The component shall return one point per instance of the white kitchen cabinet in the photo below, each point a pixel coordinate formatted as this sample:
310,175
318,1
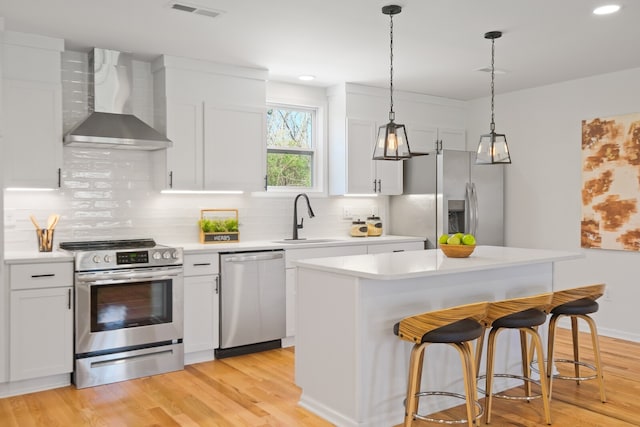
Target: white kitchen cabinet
41,330
215,115
234,148
365,175
32,106
427,139
201,332
184,161
40,320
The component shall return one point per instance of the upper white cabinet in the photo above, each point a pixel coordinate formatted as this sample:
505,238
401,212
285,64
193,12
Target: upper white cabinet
353,126
364,175
32,108
429,138
356,112
215,115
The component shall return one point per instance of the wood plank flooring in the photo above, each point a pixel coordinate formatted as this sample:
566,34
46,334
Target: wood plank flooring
258,391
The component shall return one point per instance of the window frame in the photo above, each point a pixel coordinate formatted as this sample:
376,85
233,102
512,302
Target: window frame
315,151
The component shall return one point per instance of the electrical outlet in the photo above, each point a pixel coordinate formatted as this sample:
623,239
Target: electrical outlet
9,219
346,213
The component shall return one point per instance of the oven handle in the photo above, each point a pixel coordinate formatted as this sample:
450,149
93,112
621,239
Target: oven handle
127,276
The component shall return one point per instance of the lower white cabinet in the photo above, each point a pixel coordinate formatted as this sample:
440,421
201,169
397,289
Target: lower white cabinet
200,313
40,320
201,307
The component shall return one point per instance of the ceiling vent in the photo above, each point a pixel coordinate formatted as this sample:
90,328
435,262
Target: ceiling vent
198,10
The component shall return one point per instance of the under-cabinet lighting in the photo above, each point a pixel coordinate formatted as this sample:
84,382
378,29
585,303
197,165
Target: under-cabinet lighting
306,78
359,195
606,10
29,189
201,192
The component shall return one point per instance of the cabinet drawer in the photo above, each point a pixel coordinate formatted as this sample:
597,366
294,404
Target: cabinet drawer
41,275
395,247
200,264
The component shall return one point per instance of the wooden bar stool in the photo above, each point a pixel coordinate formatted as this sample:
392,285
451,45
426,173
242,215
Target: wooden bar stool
576,303
456,326
525,315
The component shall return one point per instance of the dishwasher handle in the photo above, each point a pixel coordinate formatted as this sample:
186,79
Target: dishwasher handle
254,257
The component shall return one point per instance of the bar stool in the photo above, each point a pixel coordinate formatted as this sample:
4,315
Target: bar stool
576,303
456,326
525,315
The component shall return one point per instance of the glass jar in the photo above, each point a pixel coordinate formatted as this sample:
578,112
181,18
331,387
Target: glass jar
359,229
374,226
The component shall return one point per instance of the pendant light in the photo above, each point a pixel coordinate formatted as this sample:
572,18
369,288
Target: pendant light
392,142
493,148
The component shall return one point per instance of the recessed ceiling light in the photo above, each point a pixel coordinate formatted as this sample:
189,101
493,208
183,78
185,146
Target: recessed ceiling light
306,78
606,10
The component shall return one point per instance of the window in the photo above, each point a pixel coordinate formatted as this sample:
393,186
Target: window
291,147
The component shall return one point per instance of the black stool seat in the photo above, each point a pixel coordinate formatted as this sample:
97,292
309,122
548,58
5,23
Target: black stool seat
581,306
522,319
460,331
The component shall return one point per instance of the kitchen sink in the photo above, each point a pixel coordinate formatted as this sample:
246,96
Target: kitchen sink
291,241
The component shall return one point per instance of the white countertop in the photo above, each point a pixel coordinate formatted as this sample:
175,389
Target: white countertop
22,257
28,257
410,264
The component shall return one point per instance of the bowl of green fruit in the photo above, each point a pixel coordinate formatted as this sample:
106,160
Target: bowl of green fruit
457,245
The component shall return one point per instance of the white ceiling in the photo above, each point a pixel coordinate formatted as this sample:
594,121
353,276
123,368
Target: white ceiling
438,44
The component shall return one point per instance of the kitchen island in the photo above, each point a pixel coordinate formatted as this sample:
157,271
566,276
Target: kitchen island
351,367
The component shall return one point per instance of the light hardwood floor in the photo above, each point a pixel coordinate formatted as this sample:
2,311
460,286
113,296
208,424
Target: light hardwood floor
258,390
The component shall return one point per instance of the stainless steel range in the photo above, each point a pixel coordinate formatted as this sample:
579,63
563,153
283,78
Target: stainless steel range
129,310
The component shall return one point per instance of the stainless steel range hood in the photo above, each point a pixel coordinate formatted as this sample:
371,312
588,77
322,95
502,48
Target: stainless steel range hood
111,124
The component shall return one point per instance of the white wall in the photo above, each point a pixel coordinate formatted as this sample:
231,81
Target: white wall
543,184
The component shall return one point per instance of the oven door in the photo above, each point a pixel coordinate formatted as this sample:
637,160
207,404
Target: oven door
127,309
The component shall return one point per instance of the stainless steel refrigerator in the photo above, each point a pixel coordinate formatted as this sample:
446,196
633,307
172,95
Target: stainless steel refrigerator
446,192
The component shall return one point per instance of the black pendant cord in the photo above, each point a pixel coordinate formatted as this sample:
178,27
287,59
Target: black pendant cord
391,113
493,53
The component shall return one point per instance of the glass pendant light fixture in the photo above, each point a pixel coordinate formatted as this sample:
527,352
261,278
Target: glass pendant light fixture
493,148
392,142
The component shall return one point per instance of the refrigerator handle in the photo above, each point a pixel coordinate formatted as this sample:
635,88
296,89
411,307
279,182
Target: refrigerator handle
469,209
476,213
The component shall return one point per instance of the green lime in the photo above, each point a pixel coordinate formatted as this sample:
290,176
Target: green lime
454,240
443,239
468,239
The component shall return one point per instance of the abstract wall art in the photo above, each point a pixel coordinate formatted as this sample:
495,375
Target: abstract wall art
611,183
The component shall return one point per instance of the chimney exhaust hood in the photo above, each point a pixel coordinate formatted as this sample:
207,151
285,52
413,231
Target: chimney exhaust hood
111,124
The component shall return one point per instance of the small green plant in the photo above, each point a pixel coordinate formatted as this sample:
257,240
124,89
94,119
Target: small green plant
218,225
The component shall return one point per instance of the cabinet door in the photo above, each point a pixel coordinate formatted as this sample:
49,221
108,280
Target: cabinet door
389,176
422,139
41,333
200,313
290,277
361,136
33,133
453,139
185,164
234,148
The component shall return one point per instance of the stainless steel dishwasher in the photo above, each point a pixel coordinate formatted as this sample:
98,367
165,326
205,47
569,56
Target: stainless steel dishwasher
252,302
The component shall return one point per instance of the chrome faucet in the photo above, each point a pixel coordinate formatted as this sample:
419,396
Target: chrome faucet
297,226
